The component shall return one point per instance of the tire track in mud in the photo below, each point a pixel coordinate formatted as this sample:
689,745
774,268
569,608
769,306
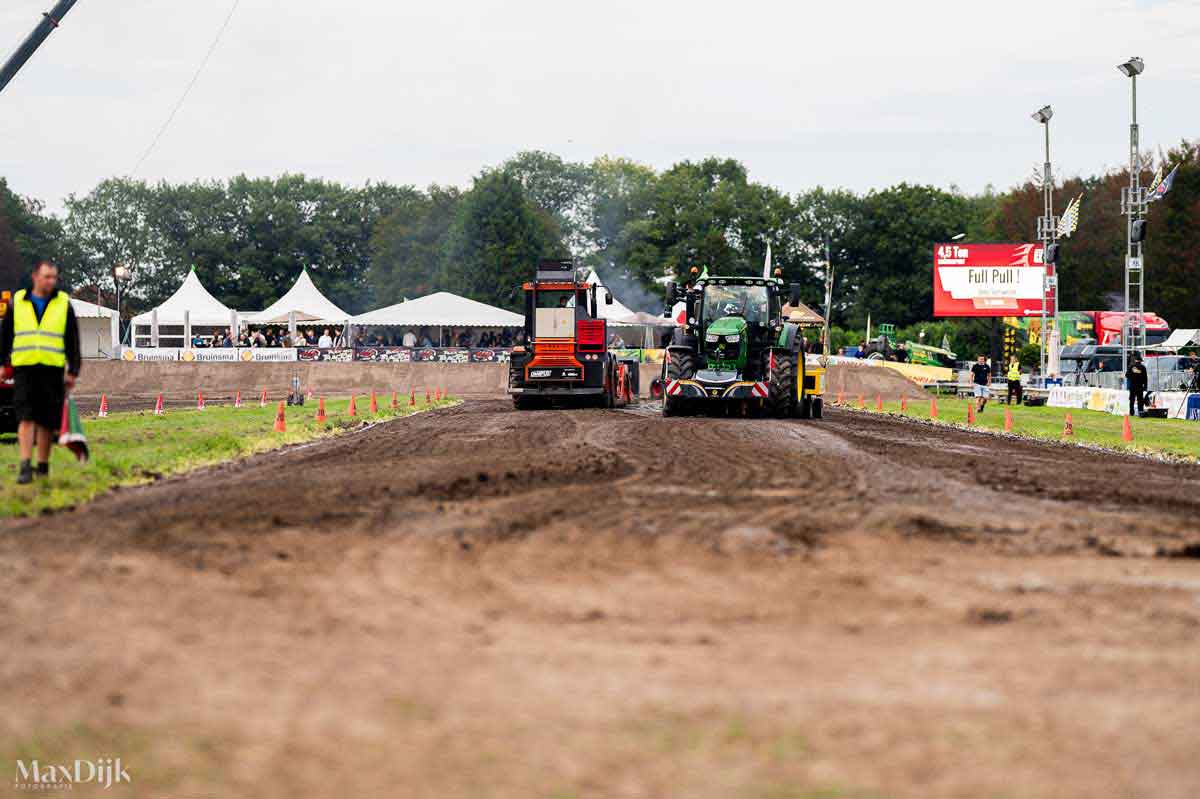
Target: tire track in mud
481,472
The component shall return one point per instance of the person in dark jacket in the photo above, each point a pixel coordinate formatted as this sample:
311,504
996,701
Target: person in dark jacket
1137,381
39,342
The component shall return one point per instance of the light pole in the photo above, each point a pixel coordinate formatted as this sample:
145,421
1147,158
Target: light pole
828,294
1047,231
120,274
1133,202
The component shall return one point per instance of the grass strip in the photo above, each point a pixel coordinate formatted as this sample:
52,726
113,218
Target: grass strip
1174,437
138,447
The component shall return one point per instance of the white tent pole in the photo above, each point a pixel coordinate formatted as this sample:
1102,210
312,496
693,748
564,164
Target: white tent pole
154,328
234,327
115,330
187,330
291,326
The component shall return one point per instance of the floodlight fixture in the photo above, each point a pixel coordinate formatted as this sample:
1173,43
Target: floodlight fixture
1043,114
1132,68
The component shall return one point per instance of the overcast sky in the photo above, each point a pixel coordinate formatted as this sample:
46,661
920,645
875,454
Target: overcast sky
853,94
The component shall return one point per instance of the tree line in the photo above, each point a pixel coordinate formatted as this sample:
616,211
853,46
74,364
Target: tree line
378,244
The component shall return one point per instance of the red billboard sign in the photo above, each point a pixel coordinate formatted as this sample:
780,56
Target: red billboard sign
989,280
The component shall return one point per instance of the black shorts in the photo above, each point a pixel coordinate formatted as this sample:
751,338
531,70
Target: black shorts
38,394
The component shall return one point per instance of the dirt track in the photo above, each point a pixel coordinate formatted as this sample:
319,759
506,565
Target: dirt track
476,602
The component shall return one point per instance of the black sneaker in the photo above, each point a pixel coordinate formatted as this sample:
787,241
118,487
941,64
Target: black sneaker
26,475
43,470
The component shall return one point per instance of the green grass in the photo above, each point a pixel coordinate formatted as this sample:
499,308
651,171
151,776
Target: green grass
1150,436
132,448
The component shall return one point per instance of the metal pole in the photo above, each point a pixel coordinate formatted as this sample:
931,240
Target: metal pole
1133,320
828,293
32,42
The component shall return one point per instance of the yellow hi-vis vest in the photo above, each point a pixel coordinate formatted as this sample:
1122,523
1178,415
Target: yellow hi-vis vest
40,344
1014,372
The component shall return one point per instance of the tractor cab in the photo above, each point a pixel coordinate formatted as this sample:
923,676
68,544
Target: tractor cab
735,351
565,354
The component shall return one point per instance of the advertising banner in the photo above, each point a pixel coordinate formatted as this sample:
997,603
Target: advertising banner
989,280
383,354
152,354
337,354
214,355
268,355
491,355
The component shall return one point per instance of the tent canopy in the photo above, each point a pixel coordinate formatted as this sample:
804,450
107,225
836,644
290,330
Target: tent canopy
1180,338
206,310
305,300
89,310
442,309
804,315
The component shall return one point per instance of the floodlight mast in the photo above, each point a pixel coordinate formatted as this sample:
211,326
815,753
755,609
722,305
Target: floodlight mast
1047,231
1133,201
32,42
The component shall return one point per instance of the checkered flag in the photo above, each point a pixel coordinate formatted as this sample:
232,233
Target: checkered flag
1069,219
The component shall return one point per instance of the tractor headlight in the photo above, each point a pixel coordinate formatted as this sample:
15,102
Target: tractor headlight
734,339
712,338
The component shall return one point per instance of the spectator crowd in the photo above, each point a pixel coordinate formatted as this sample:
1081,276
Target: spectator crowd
327,338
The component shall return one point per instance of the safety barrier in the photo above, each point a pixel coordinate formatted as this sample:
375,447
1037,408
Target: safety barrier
1178,404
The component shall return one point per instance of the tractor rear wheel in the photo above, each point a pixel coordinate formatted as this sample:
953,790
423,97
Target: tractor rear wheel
680,365
818,406
781,399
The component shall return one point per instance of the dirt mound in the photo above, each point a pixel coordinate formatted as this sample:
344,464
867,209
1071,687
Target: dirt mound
870,381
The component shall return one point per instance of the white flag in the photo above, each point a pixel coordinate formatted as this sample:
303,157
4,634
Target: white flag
767,263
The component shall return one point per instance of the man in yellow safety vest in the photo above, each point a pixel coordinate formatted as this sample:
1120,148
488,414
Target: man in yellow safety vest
39,343
1014,382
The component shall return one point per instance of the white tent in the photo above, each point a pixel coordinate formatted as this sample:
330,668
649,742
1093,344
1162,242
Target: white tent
97,329
190,307
1180,338
442,309
205,309
305,301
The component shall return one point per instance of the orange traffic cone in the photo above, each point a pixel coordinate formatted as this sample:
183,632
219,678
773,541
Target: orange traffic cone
237,399
1127,431
104,408
280,419
841,398
862,403
933,408
158,408
879,402
353,410
374,403
971,412
427,395
395,404
904,405
412,397
1008,420
199,400
438,396
321,411
1068,426
262,401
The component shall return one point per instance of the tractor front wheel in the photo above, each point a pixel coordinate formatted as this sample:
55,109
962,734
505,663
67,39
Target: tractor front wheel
781,399
680,365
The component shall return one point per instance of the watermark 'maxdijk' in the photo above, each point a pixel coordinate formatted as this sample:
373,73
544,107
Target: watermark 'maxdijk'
104,772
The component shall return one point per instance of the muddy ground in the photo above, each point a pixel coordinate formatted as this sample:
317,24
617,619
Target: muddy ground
477,602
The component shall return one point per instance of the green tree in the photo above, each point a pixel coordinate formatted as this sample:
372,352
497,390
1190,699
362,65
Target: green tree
561,189
407,247
889,252
496,240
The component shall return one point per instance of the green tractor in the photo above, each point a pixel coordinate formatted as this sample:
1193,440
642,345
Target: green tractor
736,353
